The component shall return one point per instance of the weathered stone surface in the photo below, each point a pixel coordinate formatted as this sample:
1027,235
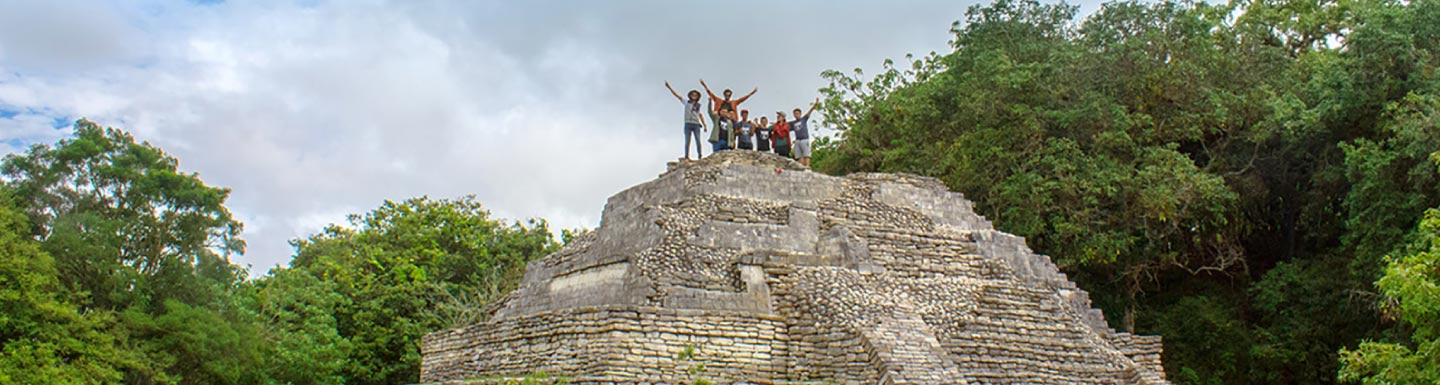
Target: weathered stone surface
770,273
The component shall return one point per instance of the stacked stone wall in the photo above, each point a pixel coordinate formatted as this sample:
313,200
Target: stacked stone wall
774,274
1145,351
627,345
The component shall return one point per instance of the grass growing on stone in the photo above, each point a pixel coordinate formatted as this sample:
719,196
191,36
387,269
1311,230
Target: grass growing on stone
696,371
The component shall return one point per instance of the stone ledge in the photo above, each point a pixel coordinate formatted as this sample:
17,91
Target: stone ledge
780,274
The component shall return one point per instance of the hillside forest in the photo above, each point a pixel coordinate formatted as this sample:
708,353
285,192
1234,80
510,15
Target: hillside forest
1257,181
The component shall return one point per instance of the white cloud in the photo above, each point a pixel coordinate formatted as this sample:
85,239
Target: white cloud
312,110
26,128
65,35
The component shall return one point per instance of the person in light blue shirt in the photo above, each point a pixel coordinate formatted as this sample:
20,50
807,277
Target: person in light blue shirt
694,123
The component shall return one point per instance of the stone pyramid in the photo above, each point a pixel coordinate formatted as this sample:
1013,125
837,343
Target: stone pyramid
745,267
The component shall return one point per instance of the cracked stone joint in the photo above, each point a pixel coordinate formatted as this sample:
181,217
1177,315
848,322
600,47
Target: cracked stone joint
774,274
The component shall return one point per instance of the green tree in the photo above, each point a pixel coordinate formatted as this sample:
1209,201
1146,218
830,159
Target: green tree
1091,163
141,243
1246,164
296,313
194,345
43,339
1411,284
414,267
125,225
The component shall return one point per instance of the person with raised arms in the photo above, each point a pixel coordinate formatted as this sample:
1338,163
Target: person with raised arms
726,103
694,123
801,127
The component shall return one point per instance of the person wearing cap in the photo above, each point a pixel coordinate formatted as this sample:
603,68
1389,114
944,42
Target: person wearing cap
694,123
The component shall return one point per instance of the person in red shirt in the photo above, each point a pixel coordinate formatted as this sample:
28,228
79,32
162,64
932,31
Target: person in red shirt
726,103
781,136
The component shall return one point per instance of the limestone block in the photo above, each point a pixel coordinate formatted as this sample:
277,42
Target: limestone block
769,273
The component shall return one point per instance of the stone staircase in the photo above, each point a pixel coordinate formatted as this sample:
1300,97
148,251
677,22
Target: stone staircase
773,274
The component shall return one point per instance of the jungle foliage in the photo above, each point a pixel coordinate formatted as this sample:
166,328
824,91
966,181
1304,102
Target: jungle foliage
115,268
1230,176
1254,181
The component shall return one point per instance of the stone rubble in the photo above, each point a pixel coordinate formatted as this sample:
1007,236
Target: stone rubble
773,274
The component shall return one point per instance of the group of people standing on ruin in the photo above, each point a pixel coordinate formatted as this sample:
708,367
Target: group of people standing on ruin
734,129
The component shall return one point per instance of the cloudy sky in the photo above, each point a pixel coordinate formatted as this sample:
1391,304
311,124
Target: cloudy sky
312,109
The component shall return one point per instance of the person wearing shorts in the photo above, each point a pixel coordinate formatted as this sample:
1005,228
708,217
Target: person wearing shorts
694,123
801,127
802,151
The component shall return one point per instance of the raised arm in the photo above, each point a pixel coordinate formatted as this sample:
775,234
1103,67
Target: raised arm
672,92
812,108
708,91
747,96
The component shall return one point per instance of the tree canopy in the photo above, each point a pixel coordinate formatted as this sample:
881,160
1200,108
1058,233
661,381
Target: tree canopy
1227,175
115,268
1411,288
1256,181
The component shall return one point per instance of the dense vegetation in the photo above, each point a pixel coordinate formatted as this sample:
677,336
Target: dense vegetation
114,268
1258,182
1234,177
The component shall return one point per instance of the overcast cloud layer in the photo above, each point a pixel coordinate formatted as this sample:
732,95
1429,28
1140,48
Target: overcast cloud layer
309,110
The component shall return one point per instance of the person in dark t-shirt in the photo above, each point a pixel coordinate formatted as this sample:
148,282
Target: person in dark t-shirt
801,127
763,133
724,127
717,136
744,132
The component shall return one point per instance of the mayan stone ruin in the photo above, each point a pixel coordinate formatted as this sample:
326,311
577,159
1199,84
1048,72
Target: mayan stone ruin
747,268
